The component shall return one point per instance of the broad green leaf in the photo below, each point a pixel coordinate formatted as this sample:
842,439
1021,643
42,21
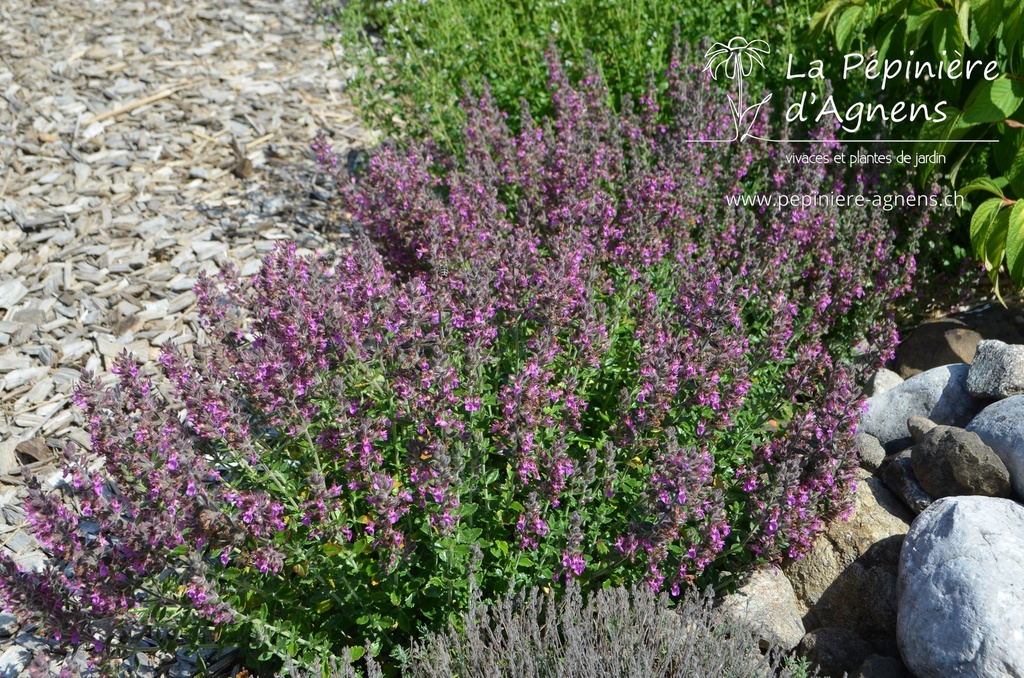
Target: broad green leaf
995,250
953,128
1005,152
918,19
995,239
846,25
981,222
982,184
470,535
988,15
1015,174
994,101
1015,244
887,38
963,19
1013,28
824,16
356,652
946,35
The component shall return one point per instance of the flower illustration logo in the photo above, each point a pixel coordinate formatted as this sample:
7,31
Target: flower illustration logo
736,60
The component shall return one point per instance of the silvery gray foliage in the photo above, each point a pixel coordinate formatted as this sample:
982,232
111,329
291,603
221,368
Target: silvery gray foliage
617,632
333,670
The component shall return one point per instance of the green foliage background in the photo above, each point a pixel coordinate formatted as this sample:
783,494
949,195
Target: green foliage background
946,31
412,60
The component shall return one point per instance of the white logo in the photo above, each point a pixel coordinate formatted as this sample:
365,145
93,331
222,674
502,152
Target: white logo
736,59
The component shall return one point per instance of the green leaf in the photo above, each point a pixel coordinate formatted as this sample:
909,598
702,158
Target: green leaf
995,245
1013,28
981,222
1015,244
1005,152
356,653
988,15
846,25
1015,173
469,536
824,16
331,549
918,19
888,38
982,184
963,19
952,128
946,35
994,101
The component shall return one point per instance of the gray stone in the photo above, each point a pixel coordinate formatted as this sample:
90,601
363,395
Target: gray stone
950,461
835,651
881,381
940,394
767,602
961,590
945,341
869,451
997,370
877,666
898,474
919,426
1001,427
849,576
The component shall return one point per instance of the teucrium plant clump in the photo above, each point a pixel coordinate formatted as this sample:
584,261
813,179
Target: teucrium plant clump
561,356
618,632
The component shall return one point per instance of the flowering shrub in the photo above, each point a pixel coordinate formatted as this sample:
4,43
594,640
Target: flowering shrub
561,357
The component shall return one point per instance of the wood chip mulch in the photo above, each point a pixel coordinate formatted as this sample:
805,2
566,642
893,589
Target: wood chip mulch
141,143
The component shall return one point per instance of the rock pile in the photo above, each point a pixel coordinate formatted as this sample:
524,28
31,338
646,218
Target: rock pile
926,579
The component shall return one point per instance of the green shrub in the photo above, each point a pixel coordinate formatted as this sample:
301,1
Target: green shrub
411,58
576,354
986,105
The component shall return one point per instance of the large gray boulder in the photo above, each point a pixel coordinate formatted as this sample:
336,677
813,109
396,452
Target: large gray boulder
960,590
766,602
950,461
997,370
940,394
1001,427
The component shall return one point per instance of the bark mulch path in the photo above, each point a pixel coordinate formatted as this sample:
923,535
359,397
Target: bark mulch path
140,143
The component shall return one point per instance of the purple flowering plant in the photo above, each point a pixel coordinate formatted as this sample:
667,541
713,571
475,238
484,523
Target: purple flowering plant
562,355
